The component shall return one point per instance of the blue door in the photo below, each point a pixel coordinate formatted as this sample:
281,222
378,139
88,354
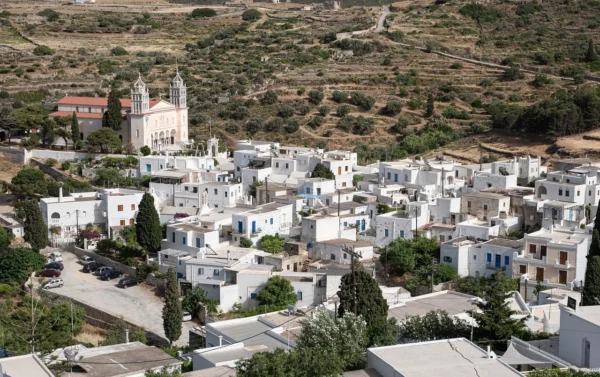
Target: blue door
498,260
254,227
148,167
240,227
395,177
363,226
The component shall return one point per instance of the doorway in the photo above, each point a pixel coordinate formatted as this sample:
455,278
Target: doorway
539,274
562,277
563,257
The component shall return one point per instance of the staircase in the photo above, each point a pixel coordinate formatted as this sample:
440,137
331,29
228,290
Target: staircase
305,265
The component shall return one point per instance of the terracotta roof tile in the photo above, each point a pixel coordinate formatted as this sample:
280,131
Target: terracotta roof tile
79,115
91,101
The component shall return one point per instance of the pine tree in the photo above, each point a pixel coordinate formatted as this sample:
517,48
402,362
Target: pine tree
591,55
591,290
172,312
75,130
113,116
36,232
147,228
370,305
429,109
494,321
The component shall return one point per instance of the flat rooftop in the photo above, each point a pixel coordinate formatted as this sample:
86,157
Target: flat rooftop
440,358
590,314
125,362
488,195
505,242
452,302
24,366
343,241
558,236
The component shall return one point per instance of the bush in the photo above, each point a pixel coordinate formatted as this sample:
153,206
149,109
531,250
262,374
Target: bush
285,111
362,100
512,74
316,122
456,66
51,162
541,80
324,110
245,243
145,150
254,125
51,15
119,51
65,166
292,126
43,50
251,15
315,96
269,98
480,12
203,13
393,107
400,125
343,110
338,96
452,113
274,125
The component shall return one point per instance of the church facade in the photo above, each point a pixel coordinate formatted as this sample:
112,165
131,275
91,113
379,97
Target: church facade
156,123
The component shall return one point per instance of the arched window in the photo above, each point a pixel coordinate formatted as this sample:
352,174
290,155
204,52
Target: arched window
55,215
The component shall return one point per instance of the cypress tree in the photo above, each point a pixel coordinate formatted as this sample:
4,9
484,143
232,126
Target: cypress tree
591,55
591,290
113,116
429,109
36,232
594,245
147,228
370,305
597,219
172,312
75,130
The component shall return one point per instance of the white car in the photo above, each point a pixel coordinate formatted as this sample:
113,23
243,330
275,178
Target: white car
186,316
57,256
54,283
86,259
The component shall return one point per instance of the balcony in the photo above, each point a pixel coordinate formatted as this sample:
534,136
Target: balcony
54,222
493,266
567,264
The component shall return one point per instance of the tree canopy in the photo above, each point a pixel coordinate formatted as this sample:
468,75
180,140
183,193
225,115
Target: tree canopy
436,324
320,171
113,116
16,265
29,182
196,297
272,244
172,312
148,230
105,139
36,232
278,292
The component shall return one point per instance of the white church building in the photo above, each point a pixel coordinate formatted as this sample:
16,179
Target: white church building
156,123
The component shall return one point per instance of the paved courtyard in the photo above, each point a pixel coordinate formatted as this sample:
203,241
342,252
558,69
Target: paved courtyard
138,305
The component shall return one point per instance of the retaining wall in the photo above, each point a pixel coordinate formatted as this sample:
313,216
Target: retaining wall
16,155
68,155
56,174
97,317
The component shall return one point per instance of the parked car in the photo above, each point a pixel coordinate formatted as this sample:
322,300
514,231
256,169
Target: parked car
91,267
49,273
126,282
111,274
54,266
101,270
187,316
56,256
86,259
54,283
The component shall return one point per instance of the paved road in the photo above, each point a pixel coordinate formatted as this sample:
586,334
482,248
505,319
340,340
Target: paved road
138,305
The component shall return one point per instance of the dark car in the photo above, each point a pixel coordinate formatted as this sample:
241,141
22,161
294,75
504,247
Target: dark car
127,282
54,266
91,267
111,274
49,273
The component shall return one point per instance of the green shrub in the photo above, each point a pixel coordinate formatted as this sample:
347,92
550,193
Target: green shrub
316,122
456,66
51,162
118,51
43,50
343,110
324,110
292,126
65,166
285,111
512,74
393,107
203,13
541,80
480,12
452,113
315,96
51,15
251,15
338,96
362,100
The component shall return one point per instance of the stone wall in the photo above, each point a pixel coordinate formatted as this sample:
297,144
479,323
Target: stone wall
98,318
56,174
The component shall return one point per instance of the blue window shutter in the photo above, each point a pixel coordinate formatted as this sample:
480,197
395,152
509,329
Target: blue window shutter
183,240
198,242
386,232
489,257
506,260
173,237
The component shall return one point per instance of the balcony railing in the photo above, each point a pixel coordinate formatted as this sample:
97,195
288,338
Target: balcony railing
493,266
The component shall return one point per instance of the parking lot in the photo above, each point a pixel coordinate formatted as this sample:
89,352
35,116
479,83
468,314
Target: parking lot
138,304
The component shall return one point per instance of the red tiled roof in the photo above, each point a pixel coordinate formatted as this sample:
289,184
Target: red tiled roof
79,115
100,101
90,101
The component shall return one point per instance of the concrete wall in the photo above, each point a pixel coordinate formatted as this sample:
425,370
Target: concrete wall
65,155
16,155
574,331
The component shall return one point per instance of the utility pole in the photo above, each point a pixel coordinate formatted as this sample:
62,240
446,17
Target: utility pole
480,158
353,255
443,181
416,221
267,188
339,199
432,271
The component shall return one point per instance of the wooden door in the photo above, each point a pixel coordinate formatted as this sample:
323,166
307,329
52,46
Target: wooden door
543,251
563,257
562,277
532,249
539,274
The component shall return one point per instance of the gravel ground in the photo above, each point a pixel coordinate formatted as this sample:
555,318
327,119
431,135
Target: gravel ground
138,305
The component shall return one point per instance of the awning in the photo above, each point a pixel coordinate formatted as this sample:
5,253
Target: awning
517,354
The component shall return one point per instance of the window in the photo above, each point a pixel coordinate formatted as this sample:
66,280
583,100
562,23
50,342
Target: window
386,232
299,295
122,222
567,192
345,223
485,207
389,175
469,204
346,168
401,234
277,164
332,256
225,193
578,192
560,192
506,260
216,191
148,167
181,204
271,221
253,296
201,271
345,256
165,256
197,241
195,190
522,269
137,133
343,184
183,240
131,221
185,188
489,257
590,193
287,166
447,259
216,272
173,237
120,207
474,257
133,207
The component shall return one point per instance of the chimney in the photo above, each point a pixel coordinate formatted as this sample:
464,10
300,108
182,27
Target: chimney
126,336
60,194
